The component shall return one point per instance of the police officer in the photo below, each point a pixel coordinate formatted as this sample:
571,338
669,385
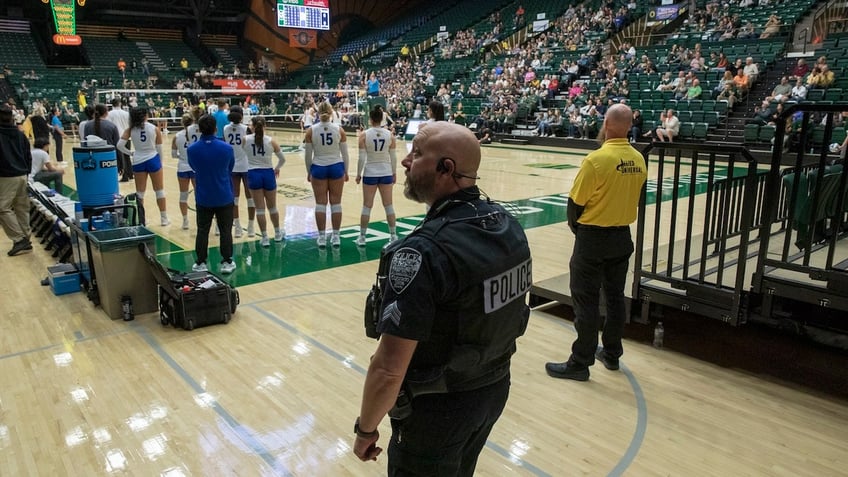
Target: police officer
453,304
601,206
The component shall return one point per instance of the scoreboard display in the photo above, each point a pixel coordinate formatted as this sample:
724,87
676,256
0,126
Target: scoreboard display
305,14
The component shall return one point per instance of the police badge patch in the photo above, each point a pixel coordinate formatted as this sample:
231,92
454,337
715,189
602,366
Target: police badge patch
405,265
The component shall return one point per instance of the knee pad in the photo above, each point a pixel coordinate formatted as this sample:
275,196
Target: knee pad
336,208
184,196
160,194
390,210
139,195
273,210
260,212
366,211
250,203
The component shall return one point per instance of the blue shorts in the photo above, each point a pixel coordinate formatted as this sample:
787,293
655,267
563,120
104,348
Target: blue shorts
331,172
261,179
186,175
382,180
154,164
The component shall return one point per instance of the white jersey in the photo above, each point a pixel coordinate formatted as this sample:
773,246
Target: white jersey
258,155
192,134
234,135
144,143
39,158
182,152
378,163
325,144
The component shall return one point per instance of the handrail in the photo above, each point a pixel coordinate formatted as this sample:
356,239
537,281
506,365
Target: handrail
806,32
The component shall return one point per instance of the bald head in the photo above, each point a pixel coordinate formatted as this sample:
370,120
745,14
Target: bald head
617,121
452,141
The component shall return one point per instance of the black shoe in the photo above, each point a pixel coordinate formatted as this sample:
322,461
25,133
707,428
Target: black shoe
21,246
125,179
609,362
567,370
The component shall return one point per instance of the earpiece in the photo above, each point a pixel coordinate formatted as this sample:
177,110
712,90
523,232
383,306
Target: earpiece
441,166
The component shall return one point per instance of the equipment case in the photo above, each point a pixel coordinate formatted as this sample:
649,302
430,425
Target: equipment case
191,300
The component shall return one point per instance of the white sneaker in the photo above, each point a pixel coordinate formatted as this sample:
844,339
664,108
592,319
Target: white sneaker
217,230
393,238
228,267
265,242
336,241
165,221
280,235
238,232
199,267
250,232
360,241
185,223
322,241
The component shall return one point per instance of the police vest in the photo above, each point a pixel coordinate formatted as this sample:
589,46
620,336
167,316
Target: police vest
491,258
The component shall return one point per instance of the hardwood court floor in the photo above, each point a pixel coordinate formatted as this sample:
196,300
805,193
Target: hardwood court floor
275,391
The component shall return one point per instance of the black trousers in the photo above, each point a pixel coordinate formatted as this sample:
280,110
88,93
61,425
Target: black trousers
57,138
124,165
445,432
224,217
600,260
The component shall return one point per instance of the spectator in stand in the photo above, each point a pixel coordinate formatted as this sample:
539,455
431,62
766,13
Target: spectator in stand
636,126
741,81
751,70
815,78
799,91
801,69
782,91
122,67
694,91
772,27
669,128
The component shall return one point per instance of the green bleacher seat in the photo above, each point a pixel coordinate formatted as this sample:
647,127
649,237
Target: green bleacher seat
686,130
751,133
766,133
700,131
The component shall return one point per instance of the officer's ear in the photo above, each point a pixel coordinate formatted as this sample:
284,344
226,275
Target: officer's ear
443,167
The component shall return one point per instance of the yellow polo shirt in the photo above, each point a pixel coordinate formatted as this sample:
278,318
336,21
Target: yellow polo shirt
609,184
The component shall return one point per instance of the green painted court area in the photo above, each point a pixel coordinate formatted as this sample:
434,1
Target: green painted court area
299,254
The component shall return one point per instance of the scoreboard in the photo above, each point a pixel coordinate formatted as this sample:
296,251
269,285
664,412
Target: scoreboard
306,14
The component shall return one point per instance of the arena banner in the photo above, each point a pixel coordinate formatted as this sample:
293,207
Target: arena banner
664,14
307,39
228,85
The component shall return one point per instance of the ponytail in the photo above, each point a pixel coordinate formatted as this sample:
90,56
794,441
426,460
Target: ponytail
259,128
99,112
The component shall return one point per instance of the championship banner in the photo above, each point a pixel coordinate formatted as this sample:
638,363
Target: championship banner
232,85
303,39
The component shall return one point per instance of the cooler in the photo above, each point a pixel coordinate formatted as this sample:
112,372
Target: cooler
96,172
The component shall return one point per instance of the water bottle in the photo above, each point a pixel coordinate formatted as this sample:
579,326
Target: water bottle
659,334
78,214
127,308
107,219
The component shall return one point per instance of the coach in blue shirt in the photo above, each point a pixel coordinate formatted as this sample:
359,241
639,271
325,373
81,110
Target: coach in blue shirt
212,160
220,116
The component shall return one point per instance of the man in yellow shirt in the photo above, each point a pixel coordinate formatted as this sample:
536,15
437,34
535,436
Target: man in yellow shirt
603,202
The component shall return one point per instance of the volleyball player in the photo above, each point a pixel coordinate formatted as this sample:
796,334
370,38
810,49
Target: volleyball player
185,174
326,169
262,178
376,170
146,159
234,134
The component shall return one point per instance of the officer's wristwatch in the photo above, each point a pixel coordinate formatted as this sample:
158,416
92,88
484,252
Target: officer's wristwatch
360,433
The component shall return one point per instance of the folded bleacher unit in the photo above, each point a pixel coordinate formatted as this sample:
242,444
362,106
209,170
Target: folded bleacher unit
191,300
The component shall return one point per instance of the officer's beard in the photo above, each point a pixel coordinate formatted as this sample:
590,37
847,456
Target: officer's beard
602,135
416,188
